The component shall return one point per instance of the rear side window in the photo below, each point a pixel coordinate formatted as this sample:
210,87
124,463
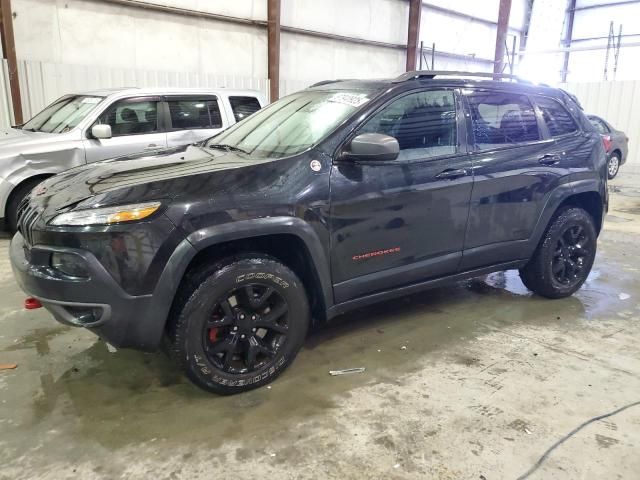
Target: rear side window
188,114
600,125
242,107
559,121
424,124
502,119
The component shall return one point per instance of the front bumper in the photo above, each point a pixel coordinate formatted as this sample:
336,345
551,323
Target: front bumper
95,302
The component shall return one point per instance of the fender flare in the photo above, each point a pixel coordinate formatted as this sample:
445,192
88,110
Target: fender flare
198,240
556,198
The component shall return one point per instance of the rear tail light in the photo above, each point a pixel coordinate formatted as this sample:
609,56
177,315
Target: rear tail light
606,141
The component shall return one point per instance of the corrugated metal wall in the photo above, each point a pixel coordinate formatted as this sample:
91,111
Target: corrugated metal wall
619,104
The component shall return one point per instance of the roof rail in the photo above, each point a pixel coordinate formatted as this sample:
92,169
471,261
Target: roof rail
325,82
418,74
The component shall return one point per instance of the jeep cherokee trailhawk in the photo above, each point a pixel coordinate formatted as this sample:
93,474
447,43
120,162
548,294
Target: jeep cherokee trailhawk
346,193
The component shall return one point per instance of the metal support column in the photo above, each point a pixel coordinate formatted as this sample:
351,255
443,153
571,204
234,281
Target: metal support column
415,12
501,35
9,52
273,48
567,39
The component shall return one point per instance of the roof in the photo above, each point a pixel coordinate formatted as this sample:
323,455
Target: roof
440,78
127,91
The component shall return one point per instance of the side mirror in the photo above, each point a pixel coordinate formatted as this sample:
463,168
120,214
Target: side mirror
373,146
101,131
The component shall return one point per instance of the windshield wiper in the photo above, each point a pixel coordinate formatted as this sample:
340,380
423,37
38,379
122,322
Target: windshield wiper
228,148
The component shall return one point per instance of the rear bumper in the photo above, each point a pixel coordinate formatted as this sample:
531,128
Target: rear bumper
95,302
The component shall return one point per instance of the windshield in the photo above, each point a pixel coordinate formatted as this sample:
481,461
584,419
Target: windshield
290,125
63,115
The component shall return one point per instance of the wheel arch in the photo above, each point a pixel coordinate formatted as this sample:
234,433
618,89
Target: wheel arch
40,177
288,240
586,194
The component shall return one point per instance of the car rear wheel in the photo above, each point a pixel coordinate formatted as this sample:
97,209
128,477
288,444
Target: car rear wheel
564,257
238,324
613,166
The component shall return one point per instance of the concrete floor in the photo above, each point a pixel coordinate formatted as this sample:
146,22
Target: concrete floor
490,378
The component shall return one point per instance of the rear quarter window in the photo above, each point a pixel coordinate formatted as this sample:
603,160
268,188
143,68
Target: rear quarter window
242,107
557,118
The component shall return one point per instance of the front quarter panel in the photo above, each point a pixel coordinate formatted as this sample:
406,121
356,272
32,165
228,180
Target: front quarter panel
284,196
47,159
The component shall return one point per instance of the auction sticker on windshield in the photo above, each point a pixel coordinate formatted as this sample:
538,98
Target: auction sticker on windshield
352,99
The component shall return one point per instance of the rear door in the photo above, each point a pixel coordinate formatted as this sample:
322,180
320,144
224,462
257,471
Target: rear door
135,128
515,167
571,147
403,221
193,118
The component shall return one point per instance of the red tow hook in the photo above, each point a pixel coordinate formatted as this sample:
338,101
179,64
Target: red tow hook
31,303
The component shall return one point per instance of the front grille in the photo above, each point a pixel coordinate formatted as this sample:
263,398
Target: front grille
27,217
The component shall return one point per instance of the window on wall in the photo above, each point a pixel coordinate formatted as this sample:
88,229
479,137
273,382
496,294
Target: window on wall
131,117
502,119
424,124
559,121
242,107
193,113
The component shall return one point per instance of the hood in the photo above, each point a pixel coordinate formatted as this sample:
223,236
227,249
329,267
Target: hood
136,178
15,138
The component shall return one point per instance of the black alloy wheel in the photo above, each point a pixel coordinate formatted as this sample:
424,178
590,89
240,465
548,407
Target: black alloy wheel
570,256
247,327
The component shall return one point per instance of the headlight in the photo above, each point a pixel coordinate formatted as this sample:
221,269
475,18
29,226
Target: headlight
107,215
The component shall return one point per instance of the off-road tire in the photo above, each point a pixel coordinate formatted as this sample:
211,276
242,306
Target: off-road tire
194,304
537,275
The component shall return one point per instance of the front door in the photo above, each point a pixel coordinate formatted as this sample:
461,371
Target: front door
135,128
399,222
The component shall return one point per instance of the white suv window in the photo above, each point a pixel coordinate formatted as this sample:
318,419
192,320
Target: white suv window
131,117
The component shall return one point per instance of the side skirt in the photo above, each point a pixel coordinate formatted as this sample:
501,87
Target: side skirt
363,301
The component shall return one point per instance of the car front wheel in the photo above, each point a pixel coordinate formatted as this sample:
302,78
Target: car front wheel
564,257
238,323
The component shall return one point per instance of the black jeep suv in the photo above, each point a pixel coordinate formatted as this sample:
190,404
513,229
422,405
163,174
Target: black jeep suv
344,194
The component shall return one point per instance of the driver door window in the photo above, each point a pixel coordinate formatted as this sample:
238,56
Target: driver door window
135,129
424,124
131,118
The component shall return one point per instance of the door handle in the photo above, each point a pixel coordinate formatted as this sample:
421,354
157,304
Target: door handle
550,159
152,146
451,174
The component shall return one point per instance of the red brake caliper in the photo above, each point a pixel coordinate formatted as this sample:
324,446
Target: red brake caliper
213,335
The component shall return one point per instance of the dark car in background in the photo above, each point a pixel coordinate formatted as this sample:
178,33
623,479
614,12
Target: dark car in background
344,194
616,144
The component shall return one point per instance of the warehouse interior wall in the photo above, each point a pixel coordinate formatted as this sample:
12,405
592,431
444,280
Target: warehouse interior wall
86,40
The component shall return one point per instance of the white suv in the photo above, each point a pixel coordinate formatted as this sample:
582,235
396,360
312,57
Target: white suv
83,128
